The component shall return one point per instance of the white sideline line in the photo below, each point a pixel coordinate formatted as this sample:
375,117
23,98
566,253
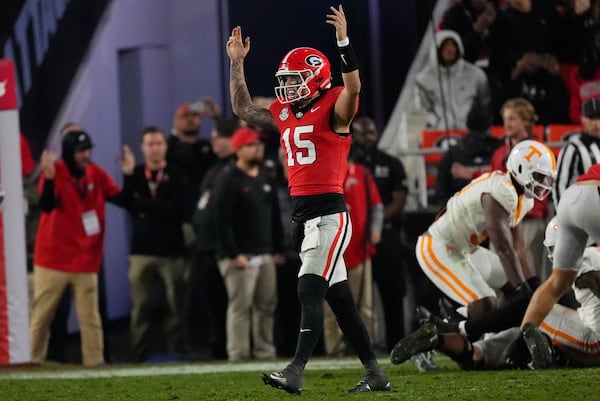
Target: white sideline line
188,369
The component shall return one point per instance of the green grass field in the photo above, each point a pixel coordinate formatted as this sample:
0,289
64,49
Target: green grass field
326,379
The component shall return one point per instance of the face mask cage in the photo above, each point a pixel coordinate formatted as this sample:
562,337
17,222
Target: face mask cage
288,93
540,185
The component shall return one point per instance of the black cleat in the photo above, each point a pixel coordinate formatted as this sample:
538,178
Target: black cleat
448,311
539,347
288,379
423,314
443,326
372,382
425,338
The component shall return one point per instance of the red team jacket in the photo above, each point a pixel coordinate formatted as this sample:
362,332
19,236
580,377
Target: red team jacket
316,156
359,184
61,242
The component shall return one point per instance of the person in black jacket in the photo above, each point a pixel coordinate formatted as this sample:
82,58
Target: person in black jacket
248,234
207,294
470,157
156,193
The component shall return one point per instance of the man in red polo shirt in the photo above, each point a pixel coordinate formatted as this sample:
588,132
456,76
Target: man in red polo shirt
69,242
366,213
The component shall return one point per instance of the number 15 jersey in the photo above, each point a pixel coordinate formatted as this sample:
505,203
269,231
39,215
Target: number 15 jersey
316,156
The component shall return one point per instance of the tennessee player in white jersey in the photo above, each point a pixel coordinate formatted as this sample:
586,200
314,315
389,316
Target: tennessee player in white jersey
491,206
577,329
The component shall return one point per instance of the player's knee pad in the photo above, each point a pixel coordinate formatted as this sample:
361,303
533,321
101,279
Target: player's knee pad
311,289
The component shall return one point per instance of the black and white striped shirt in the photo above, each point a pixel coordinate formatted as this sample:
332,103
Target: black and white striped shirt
580,152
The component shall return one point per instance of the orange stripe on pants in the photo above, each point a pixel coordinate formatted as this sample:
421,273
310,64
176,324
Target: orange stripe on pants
445,270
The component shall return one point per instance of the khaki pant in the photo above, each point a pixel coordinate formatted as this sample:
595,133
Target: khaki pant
252,295
143,271
48,287
360,280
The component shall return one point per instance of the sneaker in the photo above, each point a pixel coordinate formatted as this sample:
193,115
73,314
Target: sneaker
424,362
372,382
424,339
288,379
539,347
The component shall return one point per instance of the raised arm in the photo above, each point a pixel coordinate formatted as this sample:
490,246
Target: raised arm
241,101
347,103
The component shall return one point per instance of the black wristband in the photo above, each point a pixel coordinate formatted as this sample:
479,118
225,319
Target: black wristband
349,61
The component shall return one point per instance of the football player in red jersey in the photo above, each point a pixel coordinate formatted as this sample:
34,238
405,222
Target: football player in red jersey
314,121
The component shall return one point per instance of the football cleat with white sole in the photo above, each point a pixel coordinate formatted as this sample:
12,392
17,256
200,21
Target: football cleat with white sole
288,379
425,338
372,382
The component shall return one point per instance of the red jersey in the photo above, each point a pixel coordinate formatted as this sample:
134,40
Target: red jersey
316,156
61,241
498,162
359,183
593,173
580,90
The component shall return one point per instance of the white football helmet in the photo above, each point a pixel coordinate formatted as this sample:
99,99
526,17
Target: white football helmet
550,237
533,166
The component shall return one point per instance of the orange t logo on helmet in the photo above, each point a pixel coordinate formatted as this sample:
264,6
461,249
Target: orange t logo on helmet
534,151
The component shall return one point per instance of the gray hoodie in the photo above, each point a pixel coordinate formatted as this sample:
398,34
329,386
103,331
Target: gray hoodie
462,83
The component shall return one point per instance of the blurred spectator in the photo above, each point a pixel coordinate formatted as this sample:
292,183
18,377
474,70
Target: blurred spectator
192,154
389,269
449,84
207,293
532,25
536,77
519,118
248,233
483,28
186,149
69,242
366,213
474,21
155,201
469,158
581,150
584,81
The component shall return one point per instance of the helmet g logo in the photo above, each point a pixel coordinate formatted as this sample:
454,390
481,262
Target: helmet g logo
314,60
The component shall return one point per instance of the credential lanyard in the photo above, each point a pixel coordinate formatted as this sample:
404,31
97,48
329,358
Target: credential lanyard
154,183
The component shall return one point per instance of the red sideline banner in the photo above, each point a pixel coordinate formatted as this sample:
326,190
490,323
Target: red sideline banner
15,344
8,89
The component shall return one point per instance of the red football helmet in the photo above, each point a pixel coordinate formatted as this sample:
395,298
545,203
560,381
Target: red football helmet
309,70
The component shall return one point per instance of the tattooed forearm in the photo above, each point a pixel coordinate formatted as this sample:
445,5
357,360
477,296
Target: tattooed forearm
241,101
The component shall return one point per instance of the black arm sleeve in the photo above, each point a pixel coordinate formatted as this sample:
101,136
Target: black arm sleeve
47,198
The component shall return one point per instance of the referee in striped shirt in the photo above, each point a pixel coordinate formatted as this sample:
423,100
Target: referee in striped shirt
581,150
